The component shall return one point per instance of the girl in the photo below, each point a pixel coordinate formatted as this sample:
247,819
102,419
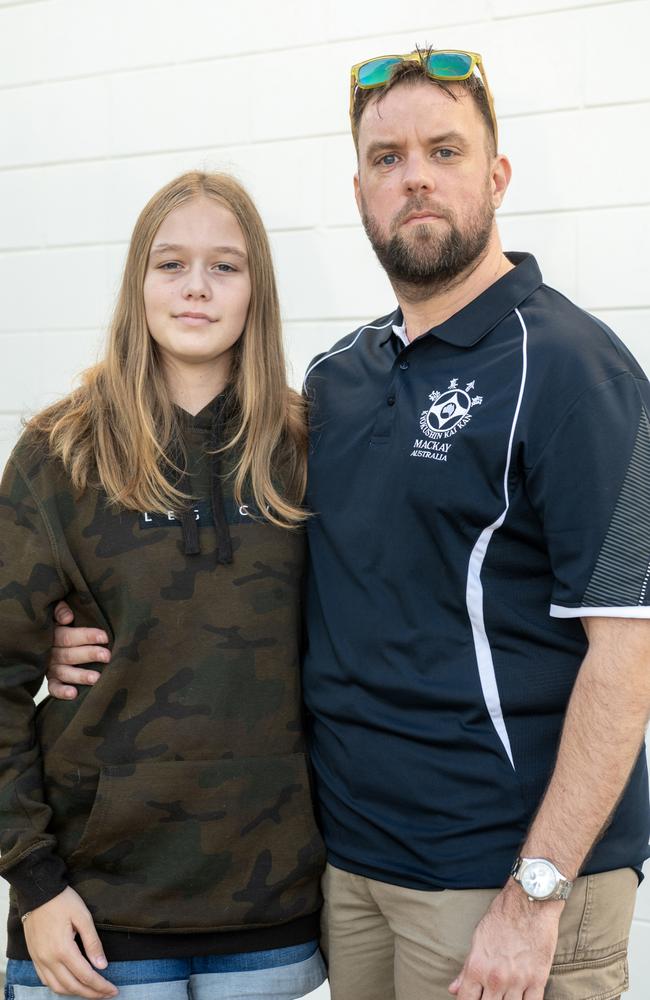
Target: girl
160,827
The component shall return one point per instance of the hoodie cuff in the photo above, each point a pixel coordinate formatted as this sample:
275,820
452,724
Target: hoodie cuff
36,879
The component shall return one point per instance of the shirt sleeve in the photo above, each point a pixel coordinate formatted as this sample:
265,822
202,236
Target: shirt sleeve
30,584
591,489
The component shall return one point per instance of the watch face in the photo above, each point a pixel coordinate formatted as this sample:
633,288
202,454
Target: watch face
538,879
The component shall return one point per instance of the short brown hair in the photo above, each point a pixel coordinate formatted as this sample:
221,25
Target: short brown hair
412,72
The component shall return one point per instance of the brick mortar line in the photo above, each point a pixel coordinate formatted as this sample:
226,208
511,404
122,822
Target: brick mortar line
352,321
242,54
275,140
361,318
342,40
319,229
281,139
335,40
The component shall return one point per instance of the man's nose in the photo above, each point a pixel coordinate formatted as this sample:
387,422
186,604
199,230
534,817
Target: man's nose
418,175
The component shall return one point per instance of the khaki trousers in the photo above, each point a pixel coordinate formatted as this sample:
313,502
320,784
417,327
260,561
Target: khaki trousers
384,942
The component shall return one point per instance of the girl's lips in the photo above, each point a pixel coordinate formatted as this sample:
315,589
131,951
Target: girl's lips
194,320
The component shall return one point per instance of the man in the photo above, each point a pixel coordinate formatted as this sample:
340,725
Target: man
477,666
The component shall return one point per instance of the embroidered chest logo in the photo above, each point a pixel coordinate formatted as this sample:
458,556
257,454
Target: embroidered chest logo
449,413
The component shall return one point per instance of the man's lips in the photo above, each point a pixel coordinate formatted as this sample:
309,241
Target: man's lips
418,217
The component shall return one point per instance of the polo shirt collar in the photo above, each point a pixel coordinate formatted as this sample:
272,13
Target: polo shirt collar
471,323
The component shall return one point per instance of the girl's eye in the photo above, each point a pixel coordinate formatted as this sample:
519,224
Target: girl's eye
174,265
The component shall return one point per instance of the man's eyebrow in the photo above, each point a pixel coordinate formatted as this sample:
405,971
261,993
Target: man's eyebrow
159,248
381,144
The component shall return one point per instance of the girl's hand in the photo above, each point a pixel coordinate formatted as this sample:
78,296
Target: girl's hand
50,935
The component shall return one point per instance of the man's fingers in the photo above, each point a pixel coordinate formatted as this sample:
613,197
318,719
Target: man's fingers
72,656
470,987
68,637
63,613
60,677
454,987
498,995
497,985
471,991
60,691
72,675
533,993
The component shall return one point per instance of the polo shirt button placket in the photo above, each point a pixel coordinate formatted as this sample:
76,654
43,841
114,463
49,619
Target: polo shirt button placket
403,365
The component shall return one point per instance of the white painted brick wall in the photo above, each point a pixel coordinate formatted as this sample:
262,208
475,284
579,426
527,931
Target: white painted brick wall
101,104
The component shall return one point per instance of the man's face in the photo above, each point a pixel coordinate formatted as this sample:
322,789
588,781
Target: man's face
428,185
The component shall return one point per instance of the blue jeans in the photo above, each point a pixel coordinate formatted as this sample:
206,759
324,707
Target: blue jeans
280,974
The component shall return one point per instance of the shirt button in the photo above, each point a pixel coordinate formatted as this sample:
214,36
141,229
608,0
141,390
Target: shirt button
403,365
391,401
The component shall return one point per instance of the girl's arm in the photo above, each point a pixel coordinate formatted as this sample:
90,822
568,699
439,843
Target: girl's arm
31,582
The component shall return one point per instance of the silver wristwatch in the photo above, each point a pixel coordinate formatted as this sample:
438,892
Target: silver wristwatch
540,879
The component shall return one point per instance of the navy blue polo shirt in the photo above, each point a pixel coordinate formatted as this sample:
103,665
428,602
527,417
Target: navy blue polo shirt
476,493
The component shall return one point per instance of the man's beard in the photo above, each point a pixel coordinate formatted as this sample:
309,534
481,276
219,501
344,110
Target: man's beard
430,260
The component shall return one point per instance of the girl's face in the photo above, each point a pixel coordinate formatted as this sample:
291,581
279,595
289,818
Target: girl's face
197,288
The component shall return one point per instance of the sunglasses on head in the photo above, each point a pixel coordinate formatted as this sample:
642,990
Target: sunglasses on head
450,65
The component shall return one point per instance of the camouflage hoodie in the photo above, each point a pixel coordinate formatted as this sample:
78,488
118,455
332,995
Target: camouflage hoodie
174,795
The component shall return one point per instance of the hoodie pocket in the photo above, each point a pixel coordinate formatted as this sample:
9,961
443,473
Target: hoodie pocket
200,845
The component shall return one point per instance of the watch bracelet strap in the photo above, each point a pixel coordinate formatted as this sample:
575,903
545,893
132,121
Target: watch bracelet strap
562,891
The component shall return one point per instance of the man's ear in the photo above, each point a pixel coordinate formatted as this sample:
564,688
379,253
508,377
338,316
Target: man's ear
357,191
500,178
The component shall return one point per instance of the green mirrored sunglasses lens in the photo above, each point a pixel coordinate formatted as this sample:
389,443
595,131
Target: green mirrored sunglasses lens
444,64
376,72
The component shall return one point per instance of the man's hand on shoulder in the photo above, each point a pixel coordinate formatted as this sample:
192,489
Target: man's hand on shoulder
71,648
512,949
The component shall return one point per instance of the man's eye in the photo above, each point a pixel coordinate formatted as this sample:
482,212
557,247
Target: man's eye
388,159
445,154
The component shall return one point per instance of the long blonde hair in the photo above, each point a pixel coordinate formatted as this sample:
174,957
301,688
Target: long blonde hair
92,429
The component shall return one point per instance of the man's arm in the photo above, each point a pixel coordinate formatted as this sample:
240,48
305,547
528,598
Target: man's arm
513,946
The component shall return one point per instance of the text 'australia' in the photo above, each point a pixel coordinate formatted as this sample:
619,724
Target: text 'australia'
430,449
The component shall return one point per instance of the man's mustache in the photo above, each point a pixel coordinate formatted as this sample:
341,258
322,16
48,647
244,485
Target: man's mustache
420,204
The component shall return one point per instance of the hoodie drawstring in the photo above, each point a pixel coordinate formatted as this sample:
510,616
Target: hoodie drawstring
188,518
191,543
224,541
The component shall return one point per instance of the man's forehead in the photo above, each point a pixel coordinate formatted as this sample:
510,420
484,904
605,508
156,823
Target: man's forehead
422,105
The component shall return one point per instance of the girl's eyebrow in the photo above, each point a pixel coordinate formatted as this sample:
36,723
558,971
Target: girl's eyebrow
177,247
